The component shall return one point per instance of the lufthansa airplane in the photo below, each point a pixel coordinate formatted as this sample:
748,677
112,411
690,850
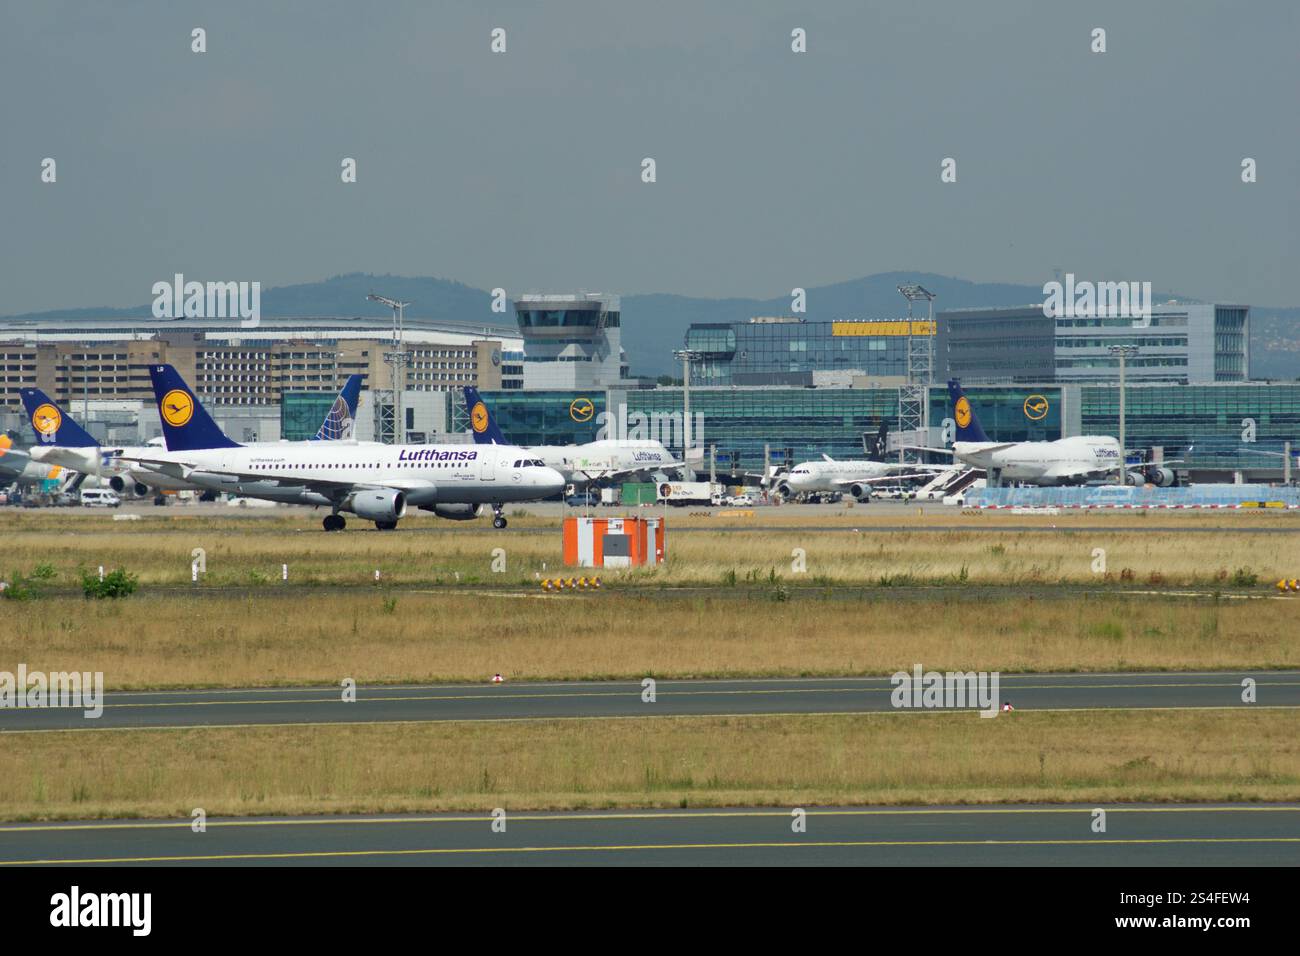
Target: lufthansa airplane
607,458
853,476
61,441
1066,461
372,481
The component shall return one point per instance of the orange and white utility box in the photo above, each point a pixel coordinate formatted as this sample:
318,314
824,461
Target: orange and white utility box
613,542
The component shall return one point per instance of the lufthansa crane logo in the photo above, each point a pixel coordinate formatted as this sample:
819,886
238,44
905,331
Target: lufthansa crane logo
177,407
478,417
962,411
581,409
1036,408
46,419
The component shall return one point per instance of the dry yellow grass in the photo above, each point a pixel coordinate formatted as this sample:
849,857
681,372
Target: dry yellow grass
252,550
379,635
785,761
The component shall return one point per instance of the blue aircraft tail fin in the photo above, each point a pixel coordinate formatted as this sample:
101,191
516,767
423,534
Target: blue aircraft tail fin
341,420
481,419
51,423
186,425
968,425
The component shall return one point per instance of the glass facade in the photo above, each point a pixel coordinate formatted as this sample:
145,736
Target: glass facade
565,318
1176,343
539,417
789,351
805,420
301,413
1215,421
1230,345
1227,427
1008,413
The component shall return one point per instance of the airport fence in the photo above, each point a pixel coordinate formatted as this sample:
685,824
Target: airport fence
1121,496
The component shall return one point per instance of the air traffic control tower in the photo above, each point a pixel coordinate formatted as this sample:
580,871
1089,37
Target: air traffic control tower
571,342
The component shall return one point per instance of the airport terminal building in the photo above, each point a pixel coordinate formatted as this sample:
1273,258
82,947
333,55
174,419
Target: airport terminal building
1189,344
108,359
794,352
769,389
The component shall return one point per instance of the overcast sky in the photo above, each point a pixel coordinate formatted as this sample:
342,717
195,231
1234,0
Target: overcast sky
523,169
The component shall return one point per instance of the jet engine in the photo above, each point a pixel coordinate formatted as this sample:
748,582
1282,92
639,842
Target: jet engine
458,512
1162,477
123,485
379,504
859,491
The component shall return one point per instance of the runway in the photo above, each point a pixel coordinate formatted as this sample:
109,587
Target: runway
1000,835
627,699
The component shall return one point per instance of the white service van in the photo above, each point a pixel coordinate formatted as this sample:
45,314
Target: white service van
100,498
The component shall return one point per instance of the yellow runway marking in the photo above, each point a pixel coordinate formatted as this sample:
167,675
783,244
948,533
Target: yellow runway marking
541,719
637,690
450,851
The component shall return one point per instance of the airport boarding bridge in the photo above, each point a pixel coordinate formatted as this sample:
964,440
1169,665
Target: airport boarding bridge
1128,496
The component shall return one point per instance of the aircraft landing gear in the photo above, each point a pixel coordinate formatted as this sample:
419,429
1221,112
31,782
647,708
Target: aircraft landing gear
498,519
334,522
385,525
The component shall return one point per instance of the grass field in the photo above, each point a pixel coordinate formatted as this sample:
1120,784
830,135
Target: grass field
270,636
252,551
782,761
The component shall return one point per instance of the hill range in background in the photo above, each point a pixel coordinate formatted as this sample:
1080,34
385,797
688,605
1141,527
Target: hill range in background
656,323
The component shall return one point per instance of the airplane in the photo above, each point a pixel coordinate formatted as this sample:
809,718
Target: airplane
1065,461
18,468
854,476
372,481
63,442
607,458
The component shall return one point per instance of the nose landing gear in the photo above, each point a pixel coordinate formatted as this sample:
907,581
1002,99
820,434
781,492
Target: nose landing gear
498,519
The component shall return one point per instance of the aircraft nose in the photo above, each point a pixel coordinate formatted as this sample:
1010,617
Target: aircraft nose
549,480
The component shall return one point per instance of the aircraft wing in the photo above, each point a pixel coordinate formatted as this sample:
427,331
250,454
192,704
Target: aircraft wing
599,474
937,451
885,479
1068,471
330,487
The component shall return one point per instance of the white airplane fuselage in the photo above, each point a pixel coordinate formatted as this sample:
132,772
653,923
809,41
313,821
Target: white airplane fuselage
1062,461
325,473
115,464
817,476
604,458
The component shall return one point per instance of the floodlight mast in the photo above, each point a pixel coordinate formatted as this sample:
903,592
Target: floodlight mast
396,360
687,356
1123,352
914,397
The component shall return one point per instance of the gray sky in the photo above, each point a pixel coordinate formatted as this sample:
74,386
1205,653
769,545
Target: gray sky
522,170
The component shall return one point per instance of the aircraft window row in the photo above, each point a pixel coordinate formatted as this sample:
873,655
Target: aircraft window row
400,464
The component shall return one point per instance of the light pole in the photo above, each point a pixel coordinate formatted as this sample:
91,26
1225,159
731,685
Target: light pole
397,361
1123,351
914,397
687,356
